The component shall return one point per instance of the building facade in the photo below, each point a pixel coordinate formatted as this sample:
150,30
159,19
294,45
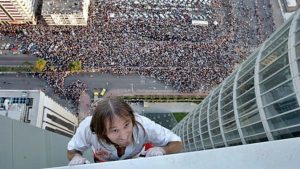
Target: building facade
258,102
66,12
18,11
37,109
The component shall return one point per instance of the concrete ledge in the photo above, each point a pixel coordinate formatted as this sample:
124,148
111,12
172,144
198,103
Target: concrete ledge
282,154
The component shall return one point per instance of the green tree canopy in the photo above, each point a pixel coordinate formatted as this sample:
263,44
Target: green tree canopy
75,66
40,65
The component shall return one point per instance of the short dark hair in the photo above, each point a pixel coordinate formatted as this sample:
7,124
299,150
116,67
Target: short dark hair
106,110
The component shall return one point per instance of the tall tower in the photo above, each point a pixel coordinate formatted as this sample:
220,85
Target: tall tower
258,102
17,11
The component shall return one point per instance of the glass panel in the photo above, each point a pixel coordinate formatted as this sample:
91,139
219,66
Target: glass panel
285,29
246,97
204,129
215,131
232,135
219,145
274,55
279,63
245,87
298,24
277,93
205,135
256,139
199,145
253,129
228,99
287,133
214,101
249,66
213,116
229,126
228,117
280,77
207,144
250,106
214,124
282,38
297,51
297,36
299,66
203,122
227,108
246,77
234,142
285,120
250,118
217,139
281,106
226,91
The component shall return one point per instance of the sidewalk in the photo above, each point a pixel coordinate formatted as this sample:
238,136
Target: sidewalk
277,12
128,92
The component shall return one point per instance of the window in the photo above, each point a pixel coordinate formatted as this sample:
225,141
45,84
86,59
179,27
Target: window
234,142
271,69
253,129
245,87
250,118
232,135
248,107
249,95
280,77
256,138
276,41
274,55
281,106
277,93
286,133
285,120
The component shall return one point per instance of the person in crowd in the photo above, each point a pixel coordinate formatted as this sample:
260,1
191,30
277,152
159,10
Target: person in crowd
115,132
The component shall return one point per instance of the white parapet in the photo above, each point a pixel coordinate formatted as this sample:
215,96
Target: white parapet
281,154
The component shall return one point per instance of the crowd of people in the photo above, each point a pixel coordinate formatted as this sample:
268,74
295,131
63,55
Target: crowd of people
171,49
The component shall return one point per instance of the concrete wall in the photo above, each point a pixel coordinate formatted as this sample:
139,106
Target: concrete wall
23,146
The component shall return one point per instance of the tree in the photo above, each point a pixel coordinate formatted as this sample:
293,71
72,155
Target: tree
75,66
40,65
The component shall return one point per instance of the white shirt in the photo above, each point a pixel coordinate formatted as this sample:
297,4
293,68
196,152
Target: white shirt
152,132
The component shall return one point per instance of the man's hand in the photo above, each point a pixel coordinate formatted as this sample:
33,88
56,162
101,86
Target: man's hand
155,151
77,160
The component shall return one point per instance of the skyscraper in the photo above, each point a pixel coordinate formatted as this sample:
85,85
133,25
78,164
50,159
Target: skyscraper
17,11
258,102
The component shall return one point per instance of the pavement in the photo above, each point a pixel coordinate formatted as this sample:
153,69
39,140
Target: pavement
277,14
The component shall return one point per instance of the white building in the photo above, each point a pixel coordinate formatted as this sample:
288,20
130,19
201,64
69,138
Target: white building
37,109
65,12
17,12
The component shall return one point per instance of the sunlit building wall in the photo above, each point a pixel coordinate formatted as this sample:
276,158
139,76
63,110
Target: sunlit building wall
17,11
258,102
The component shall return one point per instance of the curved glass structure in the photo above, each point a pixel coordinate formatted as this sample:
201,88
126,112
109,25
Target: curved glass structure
256,103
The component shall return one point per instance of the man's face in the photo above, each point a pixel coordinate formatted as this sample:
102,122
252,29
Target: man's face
119,131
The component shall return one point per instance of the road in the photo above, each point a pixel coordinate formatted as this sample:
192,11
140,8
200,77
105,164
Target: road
111,82
16,60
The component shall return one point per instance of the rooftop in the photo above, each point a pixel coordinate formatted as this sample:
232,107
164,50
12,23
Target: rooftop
62,6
